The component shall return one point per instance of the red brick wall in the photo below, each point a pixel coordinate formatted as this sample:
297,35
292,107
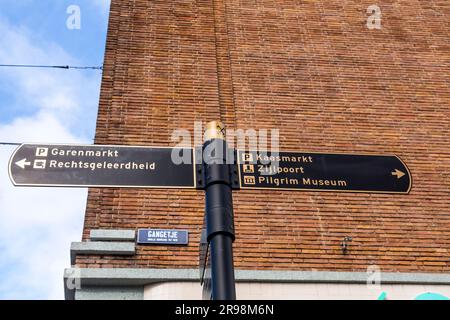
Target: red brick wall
313,70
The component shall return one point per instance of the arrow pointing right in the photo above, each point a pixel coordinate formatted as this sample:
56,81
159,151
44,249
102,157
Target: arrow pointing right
398,173
23,163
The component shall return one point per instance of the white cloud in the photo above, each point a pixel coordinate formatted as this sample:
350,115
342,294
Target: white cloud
42,127
37,227
38,224
67,94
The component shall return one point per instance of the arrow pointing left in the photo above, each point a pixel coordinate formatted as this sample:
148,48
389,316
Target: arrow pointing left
23,163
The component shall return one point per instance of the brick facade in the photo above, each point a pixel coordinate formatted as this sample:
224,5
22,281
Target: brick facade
313,70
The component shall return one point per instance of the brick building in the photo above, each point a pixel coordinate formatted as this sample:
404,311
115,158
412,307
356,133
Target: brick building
329,82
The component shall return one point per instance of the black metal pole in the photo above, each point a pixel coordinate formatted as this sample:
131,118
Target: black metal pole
219,212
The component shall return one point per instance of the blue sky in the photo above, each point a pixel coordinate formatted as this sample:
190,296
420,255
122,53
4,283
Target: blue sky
44,105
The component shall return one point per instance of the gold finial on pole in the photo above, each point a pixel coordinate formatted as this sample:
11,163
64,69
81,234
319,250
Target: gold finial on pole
215,130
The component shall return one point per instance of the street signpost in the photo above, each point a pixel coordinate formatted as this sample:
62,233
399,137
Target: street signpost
160,167
219,216
101,166
323,172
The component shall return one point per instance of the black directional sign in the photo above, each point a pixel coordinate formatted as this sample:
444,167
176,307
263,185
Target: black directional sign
327,172
102,166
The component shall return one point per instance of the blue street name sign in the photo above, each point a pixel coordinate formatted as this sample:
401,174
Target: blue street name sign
162,236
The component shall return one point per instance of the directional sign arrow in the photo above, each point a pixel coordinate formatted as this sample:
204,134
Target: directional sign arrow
23,163
398,173
102,166
323,172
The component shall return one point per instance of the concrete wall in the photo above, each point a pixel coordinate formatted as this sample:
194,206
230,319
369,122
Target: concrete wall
173,284
288,291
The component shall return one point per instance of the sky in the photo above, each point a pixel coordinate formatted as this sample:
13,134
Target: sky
37,225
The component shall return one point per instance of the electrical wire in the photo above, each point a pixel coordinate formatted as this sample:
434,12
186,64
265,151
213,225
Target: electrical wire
10,144
15,143
47,66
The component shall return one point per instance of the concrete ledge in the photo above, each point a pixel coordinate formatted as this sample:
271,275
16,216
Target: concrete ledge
141,277
340,277
110,293
112,235
130,277
101,248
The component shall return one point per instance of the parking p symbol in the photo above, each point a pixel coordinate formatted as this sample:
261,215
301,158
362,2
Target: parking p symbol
41,152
